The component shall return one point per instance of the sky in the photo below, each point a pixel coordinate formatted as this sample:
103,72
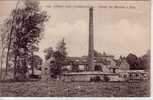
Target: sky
117,31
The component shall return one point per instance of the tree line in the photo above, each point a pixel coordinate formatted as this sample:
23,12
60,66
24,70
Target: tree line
139,63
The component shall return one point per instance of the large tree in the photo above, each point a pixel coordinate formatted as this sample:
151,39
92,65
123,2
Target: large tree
61,47
144,61
139,63
60,57
133,61
25,34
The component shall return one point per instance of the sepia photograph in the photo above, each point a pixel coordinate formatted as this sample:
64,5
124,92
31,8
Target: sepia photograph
75,48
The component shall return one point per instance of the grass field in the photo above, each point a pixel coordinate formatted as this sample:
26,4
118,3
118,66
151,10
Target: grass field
74,89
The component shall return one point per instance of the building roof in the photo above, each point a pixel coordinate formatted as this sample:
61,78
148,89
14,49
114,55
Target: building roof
84,60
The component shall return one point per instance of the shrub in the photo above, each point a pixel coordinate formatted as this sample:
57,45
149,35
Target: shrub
106,78
95,79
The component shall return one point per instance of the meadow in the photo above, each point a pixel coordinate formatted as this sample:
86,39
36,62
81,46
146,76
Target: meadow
57,88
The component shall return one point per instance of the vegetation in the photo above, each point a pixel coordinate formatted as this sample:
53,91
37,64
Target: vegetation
95,79
139,63
3,46
61,48
20,35
59,58
25,26
75,89
49,53
35,62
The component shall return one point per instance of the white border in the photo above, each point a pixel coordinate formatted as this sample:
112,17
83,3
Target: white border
98,98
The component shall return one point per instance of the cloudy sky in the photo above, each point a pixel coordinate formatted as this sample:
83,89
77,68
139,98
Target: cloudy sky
117,31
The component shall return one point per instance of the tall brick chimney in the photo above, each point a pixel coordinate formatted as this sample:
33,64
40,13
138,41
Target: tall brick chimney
91,42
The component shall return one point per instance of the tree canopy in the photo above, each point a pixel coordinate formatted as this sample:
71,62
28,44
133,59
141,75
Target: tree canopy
59,56
49,53
27,26
139,63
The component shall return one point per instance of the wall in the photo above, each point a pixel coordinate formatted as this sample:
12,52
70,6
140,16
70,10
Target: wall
87,77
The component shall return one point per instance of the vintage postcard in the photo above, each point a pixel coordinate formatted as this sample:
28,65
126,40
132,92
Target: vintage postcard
75,48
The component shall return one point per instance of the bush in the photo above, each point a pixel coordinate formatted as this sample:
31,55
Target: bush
35,76
95,79
106,78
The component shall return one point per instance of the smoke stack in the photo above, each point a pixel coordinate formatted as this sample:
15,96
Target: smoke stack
91,42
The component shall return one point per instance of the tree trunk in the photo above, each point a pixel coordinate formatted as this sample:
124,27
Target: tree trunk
1,71
1,68
21,69
15,69
32,70
8,50
32,67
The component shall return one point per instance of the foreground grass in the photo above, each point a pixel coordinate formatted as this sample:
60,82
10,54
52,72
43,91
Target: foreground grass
74,89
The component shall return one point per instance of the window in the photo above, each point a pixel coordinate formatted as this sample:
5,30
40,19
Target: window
98,68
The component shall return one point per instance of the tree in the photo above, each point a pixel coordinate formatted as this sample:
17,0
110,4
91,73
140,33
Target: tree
59,62
35,61
3,45
145,61
139,63
97,54
49,53
61,47
25,34
4,37
59,55
133,61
